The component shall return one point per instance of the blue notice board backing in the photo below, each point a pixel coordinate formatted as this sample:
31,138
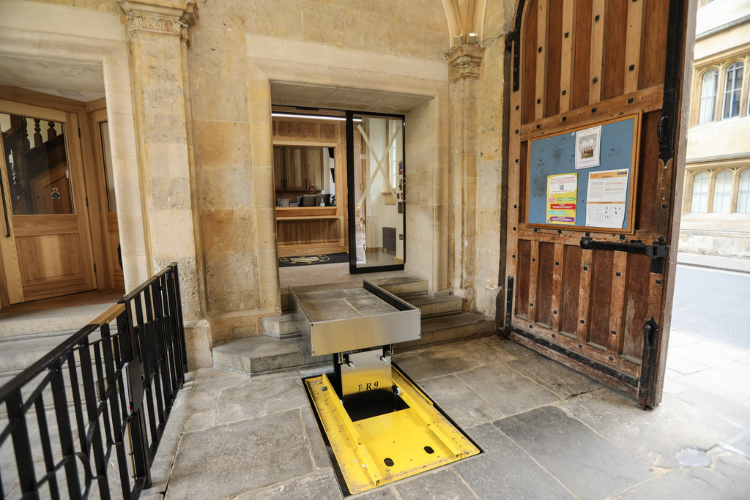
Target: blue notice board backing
555,154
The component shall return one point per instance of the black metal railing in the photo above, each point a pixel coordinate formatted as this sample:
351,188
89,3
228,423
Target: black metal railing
85,421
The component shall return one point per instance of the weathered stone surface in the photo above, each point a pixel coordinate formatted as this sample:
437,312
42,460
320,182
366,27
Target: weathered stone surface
315,438
587,465
383,493
653,436
683,366
515,349
505,471
506,390
444,484
556,377
729,475
227,460
261,397
192,411
737,413
256,354
211,379
676,484
320,486
464,406
451,358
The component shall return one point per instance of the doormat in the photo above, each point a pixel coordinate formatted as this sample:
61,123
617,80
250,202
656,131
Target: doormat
311,260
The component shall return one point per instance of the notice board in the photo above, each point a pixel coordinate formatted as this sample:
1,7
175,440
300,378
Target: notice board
558,192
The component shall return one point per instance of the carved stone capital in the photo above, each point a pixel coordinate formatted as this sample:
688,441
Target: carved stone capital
165,17
465,62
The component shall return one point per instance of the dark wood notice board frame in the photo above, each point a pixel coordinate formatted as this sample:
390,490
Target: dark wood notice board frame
632,181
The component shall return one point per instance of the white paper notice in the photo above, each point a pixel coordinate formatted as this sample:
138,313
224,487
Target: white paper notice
606,198
587,147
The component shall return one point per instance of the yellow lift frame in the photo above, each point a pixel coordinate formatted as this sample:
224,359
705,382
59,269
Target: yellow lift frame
380,450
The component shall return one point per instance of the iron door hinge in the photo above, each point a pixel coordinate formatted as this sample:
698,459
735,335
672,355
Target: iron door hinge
87,201
658,251
79,132
94,267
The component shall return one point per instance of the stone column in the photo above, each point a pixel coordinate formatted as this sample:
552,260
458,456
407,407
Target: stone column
465,64
156,29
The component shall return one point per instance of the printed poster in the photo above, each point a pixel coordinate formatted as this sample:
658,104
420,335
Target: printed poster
606,198
587,147
562,192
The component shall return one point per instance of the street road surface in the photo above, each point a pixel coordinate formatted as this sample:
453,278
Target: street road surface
713,304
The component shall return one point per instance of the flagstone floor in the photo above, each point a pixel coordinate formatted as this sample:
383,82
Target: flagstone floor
547,431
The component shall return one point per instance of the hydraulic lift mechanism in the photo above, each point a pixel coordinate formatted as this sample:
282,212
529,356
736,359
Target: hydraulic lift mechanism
380,426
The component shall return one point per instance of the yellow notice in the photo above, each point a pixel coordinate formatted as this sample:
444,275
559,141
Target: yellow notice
562,192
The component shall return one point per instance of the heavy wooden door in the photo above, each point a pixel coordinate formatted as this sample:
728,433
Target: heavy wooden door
45,240
598,302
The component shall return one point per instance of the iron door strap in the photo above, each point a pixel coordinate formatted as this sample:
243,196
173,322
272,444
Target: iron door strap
648,368
658,252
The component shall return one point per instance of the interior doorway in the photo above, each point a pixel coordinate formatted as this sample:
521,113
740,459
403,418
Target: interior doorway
46,248
59,233
377,209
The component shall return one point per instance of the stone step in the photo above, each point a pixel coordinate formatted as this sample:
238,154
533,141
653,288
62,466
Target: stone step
254,355
453,327
13,324
435,306
279,327
402,285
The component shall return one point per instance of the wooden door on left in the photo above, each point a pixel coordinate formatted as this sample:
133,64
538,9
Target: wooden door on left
45,240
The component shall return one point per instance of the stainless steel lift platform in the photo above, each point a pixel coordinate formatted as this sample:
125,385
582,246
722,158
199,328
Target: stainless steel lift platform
380,426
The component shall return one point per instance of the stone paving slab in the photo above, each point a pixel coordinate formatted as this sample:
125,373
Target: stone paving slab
728,475
436,361
730,411
257,437
506,390
655,436
465,406
320,486
554,376
676,484
505,471
589,466
261,397
440,485
228,460
722,381
683,366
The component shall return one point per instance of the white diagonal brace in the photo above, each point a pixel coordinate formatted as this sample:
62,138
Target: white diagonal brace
379,162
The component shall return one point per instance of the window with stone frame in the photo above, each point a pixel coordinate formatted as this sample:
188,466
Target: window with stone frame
733,90
743,199
723,192
709,89
700,193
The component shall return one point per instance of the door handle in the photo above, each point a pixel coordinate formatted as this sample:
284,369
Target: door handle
5,208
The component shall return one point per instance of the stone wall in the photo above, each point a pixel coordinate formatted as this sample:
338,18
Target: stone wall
396,47
193,146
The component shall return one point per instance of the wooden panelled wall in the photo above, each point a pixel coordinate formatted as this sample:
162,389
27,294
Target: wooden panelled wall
313,230
583,61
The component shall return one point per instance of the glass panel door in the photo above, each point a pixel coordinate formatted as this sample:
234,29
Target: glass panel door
376,193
